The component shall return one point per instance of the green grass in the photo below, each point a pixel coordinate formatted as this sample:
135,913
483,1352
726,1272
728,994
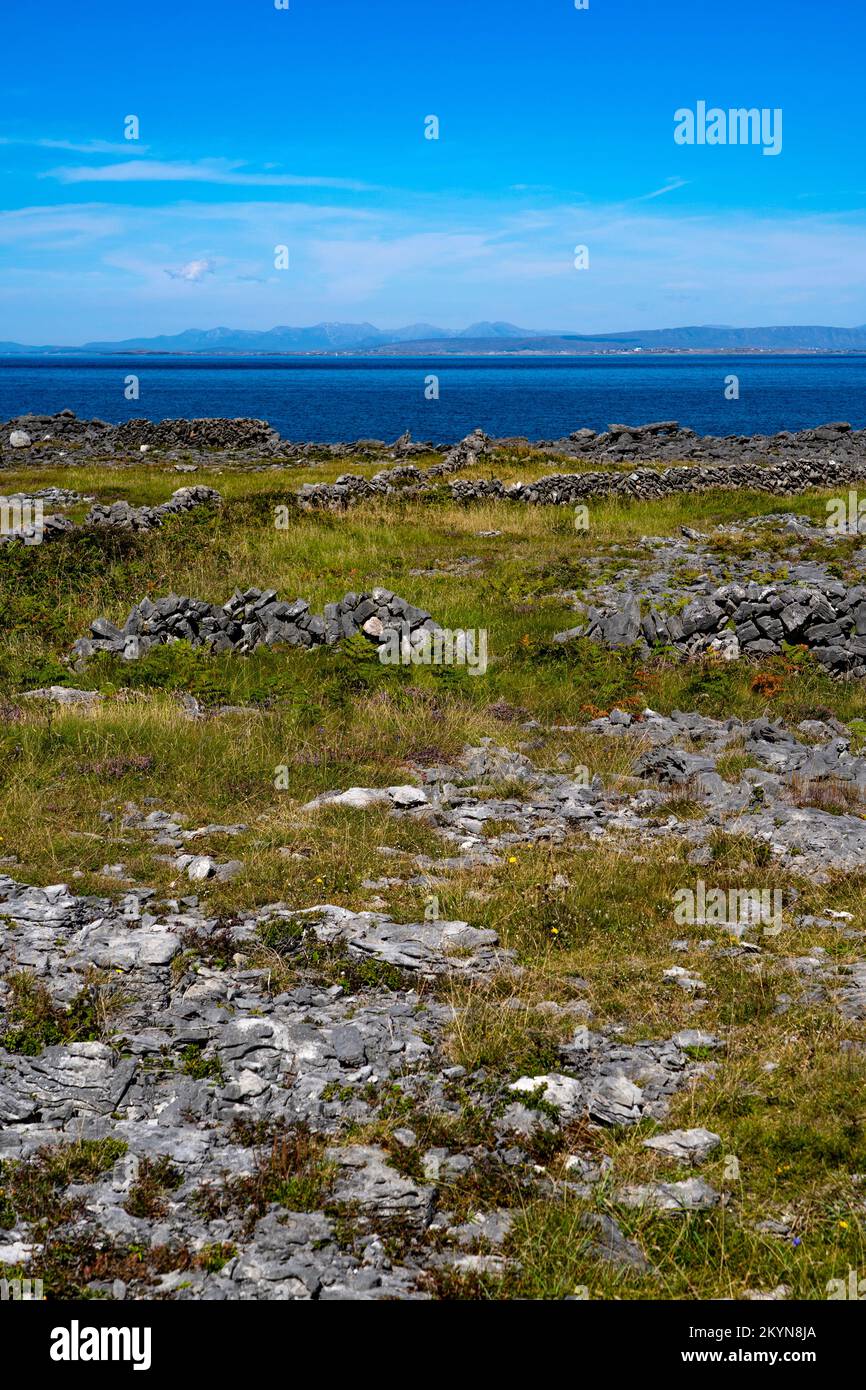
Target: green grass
34,1190
333,719
34,1021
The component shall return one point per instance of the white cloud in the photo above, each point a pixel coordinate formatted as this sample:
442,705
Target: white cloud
447,261
217,171
670,187
356,268
42,229
77,146
267,218
193,271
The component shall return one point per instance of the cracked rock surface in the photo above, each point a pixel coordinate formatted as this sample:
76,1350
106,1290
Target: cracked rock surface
312,1057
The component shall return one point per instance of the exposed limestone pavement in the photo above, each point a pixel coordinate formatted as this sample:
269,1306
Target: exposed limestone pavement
365,1004
214,1081
769,801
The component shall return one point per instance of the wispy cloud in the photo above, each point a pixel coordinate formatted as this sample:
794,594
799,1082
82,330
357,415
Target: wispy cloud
354,267
193,271
134,268
216,171
670,187
42,228
77,146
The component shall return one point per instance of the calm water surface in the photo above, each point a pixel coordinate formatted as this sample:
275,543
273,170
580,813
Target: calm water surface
543,398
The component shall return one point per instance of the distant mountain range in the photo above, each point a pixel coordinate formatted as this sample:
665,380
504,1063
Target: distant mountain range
479,338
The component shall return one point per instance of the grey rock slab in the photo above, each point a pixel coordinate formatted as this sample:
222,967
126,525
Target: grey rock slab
62,695
491,1227
614,1100
356,798
689,1145
692,1194
608,1242
408,796
200,868
494,1266
434,947
83,1078
696,1037
563,1092
367,1181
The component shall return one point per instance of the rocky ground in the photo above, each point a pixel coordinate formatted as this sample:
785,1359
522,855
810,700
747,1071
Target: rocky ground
681,606
323,979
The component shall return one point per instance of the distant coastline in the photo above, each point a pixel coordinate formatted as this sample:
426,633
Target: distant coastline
340,340
431,353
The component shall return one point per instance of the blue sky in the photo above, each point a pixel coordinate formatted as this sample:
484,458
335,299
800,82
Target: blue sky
262,127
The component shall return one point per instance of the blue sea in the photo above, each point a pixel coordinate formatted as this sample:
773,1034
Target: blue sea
332,399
